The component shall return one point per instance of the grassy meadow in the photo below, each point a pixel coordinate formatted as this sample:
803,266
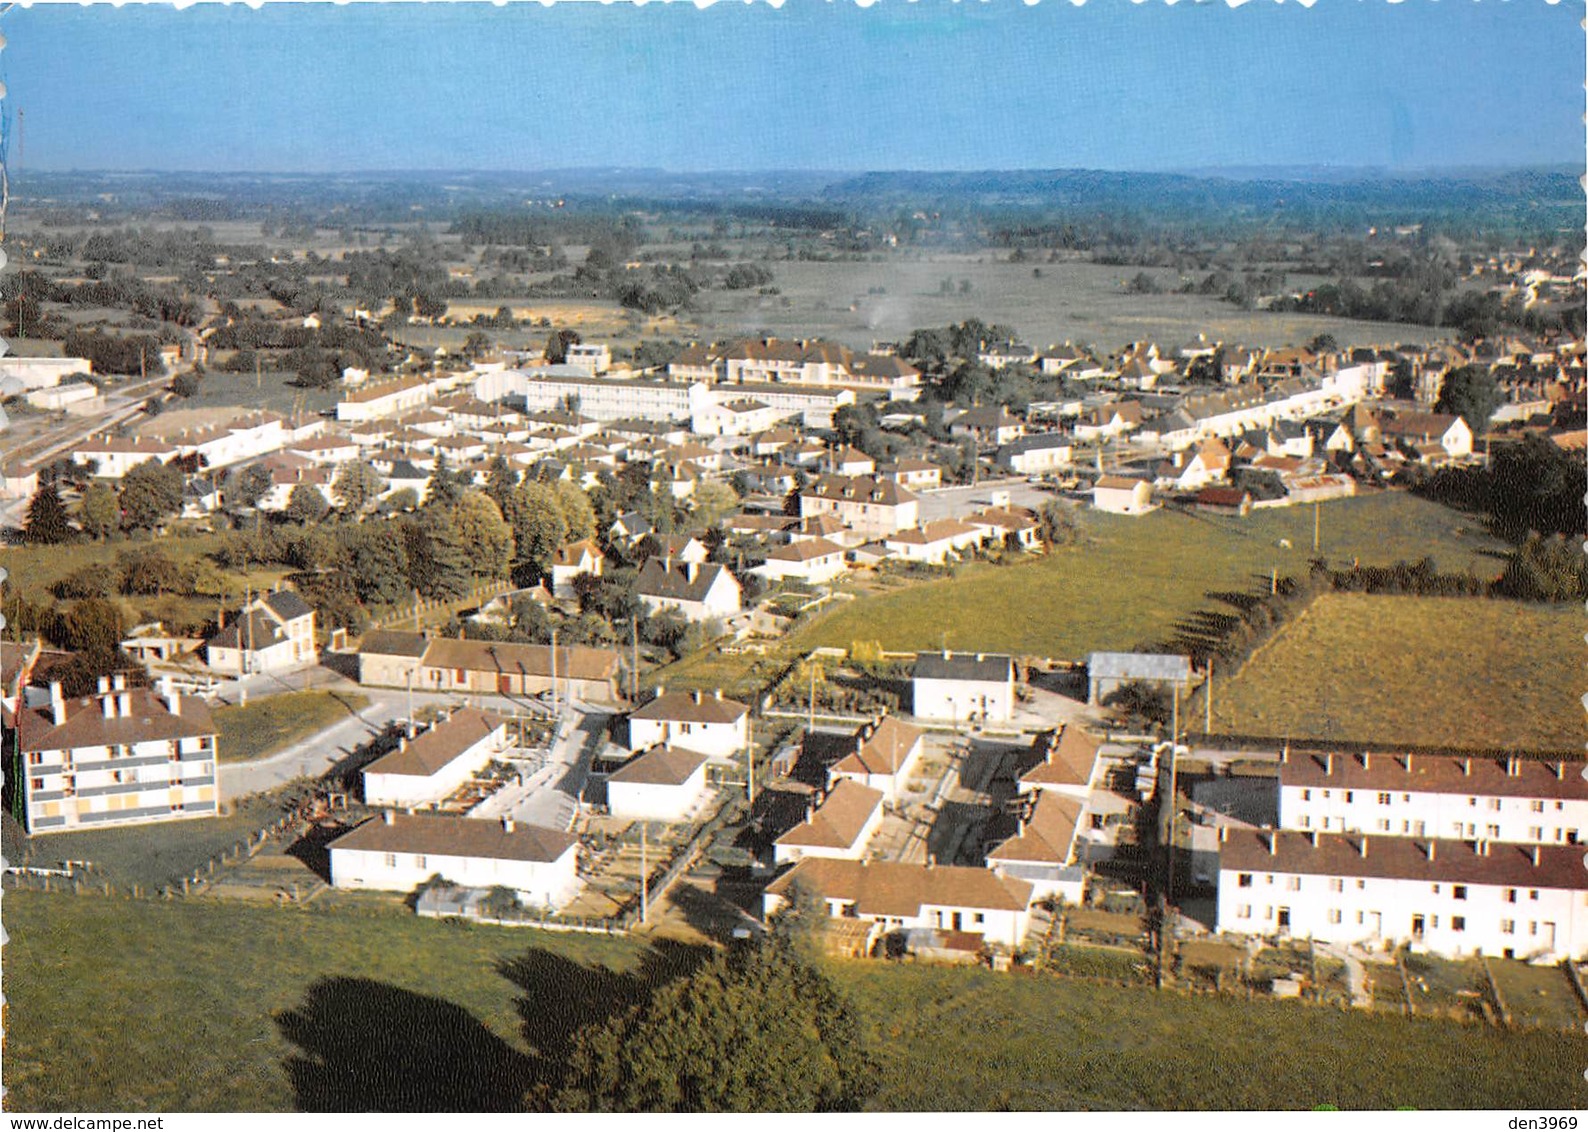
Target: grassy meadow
228,1007
1419,670
1134,579
252,731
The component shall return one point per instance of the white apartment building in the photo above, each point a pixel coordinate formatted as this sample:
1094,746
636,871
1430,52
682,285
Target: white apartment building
122,756
1521,800
1443,896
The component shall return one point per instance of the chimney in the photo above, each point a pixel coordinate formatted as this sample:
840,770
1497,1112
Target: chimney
1273,843
1284,752
118,681
1466,766
173,702
691,570
107,706
1365,763
931,860
717,693
104,684
696,694
124,705
1328,764
1431,849
57,703
1224,834
1312,836
1362,846
388,817
1536,855
945,654
507,824
1513,768
1560,772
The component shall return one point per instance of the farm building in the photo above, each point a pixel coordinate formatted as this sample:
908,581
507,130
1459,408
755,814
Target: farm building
1107,672
974,687
394,659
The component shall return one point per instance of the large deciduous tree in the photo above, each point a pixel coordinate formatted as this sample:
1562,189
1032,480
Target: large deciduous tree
356,486
150,492
99,510
758,1028
539,527
1472,394
482,529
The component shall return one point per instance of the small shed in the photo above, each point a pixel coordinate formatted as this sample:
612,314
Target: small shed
1107,672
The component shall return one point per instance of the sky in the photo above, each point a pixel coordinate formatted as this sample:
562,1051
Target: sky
814,85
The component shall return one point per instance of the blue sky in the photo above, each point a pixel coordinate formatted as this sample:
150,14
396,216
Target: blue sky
813,85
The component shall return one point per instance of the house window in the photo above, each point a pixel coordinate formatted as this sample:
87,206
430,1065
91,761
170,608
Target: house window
1244,880
1436,890
1306,795
1360,883
1532,927
391,860
419,860
1350,795
1383,798
1244,912
1334,915
38,784
1326,795
1458,923
978,918
1537,806
1383,825
1510,896
1406,797
1491,831
1508,927
1532,894
1433,921
35,758
1535,833
1494,804
1293,884
1472,801
1360,918
1336,884
1459,892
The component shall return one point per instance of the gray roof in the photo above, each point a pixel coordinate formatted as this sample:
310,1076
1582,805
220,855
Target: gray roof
391,642
287,605
1138,666
991,668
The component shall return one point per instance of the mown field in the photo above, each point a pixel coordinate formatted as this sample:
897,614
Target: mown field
252,731
885,298
1427,671
233,1008
1134,579
971,1040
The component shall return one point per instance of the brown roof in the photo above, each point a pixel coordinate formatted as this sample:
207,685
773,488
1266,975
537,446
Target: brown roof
691,707
880,747
837,822
805,550
573,662
443,742
1119,483
863,489
385,388
149,720
571,554
892,888
447,836
1069,758
1431,425
1403,858
659,766
1437,774
1048,834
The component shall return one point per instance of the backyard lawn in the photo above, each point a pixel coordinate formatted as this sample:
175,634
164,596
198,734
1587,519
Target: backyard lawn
1135,578
1429,671
229,1007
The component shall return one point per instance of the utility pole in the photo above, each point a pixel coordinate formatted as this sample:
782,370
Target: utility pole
1174,797
554,672
1207,708
634,662
810,721
749,773
645,878
1317,524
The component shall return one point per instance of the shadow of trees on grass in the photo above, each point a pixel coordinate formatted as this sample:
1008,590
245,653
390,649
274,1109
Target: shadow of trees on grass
368,1046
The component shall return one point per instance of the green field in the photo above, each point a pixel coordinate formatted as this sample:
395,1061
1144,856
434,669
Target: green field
1426,671
966,1039
239,1008
1137,577
252,731
151,855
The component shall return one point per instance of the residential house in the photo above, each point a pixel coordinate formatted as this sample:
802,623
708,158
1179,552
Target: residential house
707,725
900,896
1448,432
987,425
839,826
814,561
1109,421
935,542
274,632
113,457
870,507
396,852
572,561
885,754
974,687
666,784
429,767
912,473
1042,852
1122,495
392,659
697,592
1037,454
